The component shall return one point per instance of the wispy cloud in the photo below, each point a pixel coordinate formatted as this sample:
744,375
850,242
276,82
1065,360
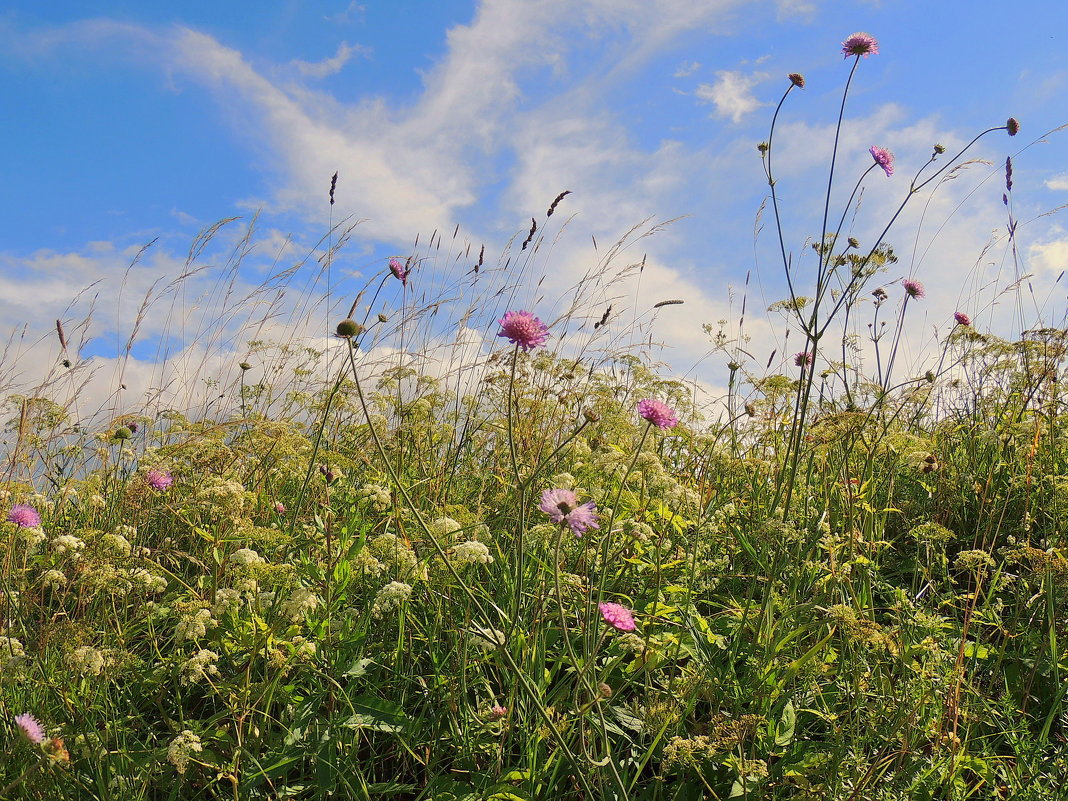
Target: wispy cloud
732,93
332,65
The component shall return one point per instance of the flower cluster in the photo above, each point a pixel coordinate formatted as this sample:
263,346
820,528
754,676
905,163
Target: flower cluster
159,479
523,329
562,506
390,597
181,748
24,516
472,552
617,616
658,413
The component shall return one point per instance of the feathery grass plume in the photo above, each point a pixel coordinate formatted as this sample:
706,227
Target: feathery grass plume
556,202
530,236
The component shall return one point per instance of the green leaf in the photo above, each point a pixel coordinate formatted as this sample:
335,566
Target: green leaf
784,730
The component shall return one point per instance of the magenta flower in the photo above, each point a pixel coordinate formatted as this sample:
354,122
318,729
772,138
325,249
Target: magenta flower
962,318
884,158
24,516
31,728
159,479
563,507
397,267
659,414
280,508
523,329
617,616
913,288
803,359
860,44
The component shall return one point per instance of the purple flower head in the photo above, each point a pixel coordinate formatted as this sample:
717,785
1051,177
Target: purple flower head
797,79
1012,126
563,507
884,158
523,329
803,359
24,516
159,479
659,414
397,267
31,728
962,318
913,288
860,44
617,616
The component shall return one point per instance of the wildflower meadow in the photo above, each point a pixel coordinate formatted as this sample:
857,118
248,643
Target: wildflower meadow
533,563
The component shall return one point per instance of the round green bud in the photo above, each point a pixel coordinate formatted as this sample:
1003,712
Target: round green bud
349,328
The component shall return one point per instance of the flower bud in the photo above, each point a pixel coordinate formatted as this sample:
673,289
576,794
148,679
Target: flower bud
349,328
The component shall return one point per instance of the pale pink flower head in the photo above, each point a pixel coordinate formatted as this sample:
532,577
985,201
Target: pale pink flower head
280,508
962,318
400,272
159,479
617,616
31,729
913,288
658,413
803,359
24,516
884,158
860,44
523,329
562,506
496,712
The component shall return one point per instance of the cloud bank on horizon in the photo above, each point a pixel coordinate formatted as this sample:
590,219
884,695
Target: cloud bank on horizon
474,116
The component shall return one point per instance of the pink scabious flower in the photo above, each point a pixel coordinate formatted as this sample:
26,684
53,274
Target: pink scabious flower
803,359
962,318
884,158
617,616
24,516
280,508
523,329
159,479
31,728
659,414
913,288
563,507
396,266
860,44
496,712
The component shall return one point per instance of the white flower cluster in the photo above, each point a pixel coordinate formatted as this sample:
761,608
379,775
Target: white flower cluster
148,581
245,557
442,527
54,578
199,666
376,495
194,626
12,653
471,552
31,537
226,601
487,638
300,601
390,597
116,544
88,661
180,749
396,552
68,545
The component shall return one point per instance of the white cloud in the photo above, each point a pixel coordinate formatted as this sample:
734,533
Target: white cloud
332,65
1050,256
1057,182
731,93
686,69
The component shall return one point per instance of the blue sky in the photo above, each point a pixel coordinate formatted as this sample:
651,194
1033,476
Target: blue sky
129,122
